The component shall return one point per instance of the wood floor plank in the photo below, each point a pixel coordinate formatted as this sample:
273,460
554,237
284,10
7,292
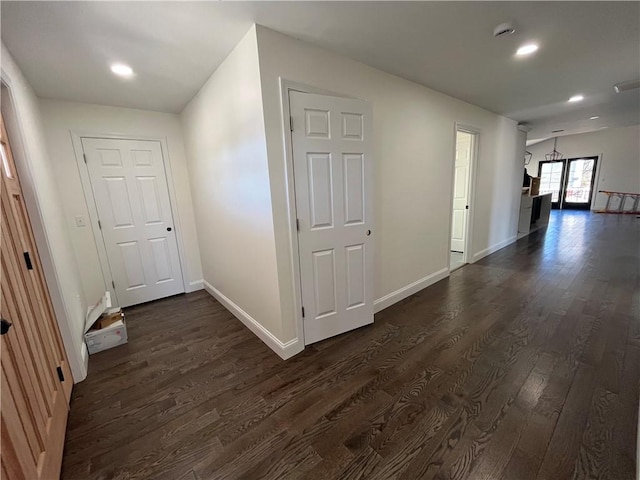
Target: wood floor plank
596,456
562,452
522,366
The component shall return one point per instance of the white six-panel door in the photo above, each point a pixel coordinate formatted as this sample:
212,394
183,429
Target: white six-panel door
464,149
332,142
132,199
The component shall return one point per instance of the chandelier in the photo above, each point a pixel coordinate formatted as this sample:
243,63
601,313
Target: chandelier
555,155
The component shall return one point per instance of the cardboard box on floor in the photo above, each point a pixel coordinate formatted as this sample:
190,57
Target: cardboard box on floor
104,328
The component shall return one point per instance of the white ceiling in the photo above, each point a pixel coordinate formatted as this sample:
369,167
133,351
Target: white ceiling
65,48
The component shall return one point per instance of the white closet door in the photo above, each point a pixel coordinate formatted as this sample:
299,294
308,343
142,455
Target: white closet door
333,165
130,190
461,191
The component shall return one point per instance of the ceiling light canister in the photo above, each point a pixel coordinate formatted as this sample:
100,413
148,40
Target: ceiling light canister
503,30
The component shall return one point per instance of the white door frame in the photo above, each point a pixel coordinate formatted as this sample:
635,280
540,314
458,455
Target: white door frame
22,153
467,257
285,87
87,189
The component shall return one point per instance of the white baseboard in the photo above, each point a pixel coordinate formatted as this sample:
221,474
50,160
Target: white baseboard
494,248
404,292
194,286
284,350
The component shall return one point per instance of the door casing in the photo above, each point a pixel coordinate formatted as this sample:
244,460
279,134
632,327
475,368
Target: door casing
93,210
468,241
78,359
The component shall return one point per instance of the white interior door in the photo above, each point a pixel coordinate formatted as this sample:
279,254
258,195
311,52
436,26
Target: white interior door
333,165
130,190
464,144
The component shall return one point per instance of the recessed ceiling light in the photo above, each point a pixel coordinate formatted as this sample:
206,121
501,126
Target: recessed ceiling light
121,70
527,49
595,117
576,98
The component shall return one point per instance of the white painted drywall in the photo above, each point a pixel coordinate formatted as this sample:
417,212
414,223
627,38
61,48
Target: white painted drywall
226,151
60,118
618,169
22,113
414,154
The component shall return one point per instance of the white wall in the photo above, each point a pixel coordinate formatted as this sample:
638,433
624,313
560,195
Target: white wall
60,119
414,154
226,150
22,113
618,168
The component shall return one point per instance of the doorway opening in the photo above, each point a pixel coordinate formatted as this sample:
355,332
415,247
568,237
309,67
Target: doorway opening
465,157
570,182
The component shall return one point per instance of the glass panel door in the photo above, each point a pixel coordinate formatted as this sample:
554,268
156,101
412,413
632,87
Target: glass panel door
579,183
551,175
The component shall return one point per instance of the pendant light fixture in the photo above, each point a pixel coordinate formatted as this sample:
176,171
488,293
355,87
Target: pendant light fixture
555,155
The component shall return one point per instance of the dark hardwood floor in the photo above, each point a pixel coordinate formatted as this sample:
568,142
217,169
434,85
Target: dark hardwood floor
525,365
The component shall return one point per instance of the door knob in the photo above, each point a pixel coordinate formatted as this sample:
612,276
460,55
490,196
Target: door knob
168,229
4,326
368,232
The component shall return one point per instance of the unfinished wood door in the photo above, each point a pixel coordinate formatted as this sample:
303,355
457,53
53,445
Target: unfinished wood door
36,379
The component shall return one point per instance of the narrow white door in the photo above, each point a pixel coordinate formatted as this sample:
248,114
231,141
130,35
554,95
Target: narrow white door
130,190
333,165
464,150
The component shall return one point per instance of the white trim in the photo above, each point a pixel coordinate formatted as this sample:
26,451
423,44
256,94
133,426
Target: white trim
76,139
407,291
20,148
284,350
194,286
596,180
87,191
84,353
292,215
494,248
